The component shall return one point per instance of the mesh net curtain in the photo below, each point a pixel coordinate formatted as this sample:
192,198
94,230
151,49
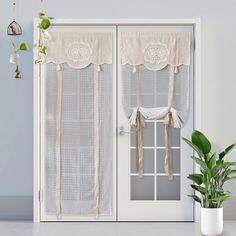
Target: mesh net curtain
78,115
78,124
155,79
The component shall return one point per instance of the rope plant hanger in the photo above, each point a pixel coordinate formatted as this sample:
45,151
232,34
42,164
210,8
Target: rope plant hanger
14,29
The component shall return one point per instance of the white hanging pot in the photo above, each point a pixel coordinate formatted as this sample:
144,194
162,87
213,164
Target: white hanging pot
211,221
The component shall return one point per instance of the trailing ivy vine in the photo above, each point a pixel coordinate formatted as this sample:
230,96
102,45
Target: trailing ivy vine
44,36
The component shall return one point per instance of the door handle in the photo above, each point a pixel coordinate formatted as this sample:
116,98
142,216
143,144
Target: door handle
122,131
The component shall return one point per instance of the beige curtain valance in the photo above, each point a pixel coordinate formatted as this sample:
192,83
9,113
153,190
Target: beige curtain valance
155,50
79,49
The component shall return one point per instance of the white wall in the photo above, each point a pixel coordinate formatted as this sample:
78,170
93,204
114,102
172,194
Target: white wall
16,97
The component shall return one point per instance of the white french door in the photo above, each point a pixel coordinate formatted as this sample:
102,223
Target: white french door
150,198
153,197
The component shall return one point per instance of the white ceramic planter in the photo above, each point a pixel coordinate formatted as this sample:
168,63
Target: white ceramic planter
211,221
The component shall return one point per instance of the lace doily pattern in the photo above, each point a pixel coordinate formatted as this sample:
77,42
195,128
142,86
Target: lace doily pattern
78,51
156,54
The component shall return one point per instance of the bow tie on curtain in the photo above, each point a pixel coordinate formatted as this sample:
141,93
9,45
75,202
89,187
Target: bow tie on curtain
157,113
172,119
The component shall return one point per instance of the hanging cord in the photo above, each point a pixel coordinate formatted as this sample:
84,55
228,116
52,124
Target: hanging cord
169,125
14,11
96,106
58,141
42,5
139,125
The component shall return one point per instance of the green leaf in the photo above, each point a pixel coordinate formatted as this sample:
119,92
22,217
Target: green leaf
216,169
225,172
201,141
199,189
24,47
42,16
43,50
228,164
205,179
227,151
197,178
45,23
212,162
231,172
221,198
194,147
201,163
228,178
196,198
224,198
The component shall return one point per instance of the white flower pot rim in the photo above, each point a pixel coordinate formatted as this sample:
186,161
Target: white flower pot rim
212,208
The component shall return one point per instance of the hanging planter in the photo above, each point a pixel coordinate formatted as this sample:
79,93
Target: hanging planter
15,57
14,28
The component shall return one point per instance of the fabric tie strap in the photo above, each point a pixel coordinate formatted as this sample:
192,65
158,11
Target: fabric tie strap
58,141
169,125
139,143
96,107
139,124
170,119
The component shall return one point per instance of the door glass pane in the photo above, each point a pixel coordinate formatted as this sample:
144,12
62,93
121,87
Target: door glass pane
142,188
168,189
160,135
161,160
175,137
154,164
148,135
148,161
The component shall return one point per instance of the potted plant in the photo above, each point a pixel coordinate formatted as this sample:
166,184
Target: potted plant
215,171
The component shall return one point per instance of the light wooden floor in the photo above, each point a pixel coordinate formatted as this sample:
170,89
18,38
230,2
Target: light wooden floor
107,229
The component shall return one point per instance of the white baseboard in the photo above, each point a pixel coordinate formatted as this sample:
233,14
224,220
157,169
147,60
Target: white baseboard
21,208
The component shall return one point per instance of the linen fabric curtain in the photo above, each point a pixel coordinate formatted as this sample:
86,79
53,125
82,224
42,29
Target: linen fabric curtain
155,79
78,124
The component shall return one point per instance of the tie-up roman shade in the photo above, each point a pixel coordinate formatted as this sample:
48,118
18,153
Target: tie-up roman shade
155,83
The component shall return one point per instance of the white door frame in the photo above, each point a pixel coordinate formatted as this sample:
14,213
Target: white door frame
196,23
